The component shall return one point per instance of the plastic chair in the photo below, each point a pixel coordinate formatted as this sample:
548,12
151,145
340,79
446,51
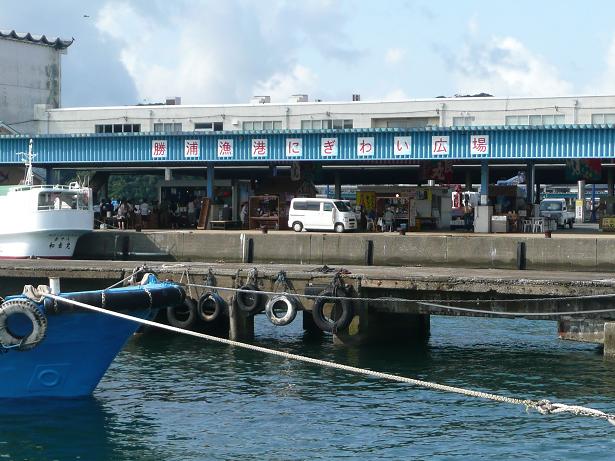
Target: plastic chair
538,225
527,225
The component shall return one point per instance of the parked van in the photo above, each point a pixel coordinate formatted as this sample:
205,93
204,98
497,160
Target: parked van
321,214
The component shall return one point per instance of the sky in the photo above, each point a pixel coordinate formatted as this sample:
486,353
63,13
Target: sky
225,51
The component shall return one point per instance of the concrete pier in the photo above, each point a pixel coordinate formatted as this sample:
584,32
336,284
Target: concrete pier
576,252
377,321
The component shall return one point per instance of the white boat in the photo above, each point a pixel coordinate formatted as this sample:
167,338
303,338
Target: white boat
43,221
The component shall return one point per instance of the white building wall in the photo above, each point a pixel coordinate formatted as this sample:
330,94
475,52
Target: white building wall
364,114
30,74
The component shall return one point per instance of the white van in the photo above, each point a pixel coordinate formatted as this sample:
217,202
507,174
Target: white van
321,214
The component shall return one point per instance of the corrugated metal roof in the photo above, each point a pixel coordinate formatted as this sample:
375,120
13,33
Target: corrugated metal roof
55,42
354,146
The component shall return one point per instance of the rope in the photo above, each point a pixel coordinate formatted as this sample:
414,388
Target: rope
390,298
425,302
544,407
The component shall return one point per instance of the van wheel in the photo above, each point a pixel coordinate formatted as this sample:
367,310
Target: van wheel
339,228
297,226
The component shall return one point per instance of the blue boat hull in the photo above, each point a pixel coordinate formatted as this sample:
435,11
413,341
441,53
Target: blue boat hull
74,355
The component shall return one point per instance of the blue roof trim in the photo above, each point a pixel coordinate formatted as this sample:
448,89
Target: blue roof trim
504,143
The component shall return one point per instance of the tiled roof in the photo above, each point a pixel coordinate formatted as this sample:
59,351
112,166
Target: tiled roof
55,42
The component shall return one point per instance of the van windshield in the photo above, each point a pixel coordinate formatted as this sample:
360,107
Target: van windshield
341,206
551,206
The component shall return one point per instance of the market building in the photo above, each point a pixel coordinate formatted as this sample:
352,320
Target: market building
424,160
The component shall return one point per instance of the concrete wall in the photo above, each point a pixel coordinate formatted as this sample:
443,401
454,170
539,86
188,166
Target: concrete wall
579,254
29,75
365,114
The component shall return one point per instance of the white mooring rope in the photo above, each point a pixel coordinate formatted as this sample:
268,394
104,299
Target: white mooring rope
542,406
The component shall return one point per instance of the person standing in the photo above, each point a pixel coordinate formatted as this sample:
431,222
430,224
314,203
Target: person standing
243,215
144,211
122,212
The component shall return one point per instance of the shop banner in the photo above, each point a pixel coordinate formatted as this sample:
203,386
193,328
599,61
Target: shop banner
587,169
367,199
438,170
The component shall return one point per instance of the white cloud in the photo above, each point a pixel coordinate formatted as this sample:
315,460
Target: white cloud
506,67
396,95
280,86
394,55
219,52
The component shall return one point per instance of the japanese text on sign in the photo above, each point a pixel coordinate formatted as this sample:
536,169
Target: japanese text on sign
402,145
365,147
328,147
159,148
192,148
439,145
259,148
225,148
294,147
479,144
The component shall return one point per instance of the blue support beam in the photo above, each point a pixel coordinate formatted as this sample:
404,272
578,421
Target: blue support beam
210,181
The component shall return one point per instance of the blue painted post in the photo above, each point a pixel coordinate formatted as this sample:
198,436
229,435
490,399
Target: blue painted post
530,180
484,182
210,181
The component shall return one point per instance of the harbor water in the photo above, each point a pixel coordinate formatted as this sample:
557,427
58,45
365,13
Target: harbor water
168,397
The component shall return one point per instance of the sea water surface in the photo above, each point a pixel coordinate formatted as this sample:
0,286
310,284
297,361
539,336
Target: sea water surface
168,397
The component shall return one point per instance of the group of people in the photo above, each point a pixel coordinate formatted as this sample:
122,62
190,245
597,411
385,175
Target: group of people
126,214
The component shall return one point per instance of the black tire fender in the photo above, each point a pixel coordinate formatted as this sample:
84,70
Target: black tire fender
34,314
344,307
210,306
250,302
183,316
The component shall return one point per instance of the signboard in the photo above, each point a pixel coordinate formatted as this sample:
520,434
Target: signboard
159,148
367,199
328,147
259,148
608,224
440,145
479,144
402,145
579,209
587,169
192,148
225,148
294,147
365,147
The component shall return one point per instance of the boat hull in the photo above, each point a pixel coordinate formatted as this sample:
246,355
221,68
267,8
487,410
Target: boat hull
51,244
71,360
79,344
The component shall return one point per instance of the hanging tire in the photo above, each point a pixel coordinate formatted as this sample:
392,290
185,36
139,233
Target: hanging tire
210,306
251,302
342,311
183,316
9,338
288,303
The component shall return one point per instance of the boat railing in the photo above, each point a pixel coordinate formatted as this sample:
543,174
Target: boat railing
71,186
